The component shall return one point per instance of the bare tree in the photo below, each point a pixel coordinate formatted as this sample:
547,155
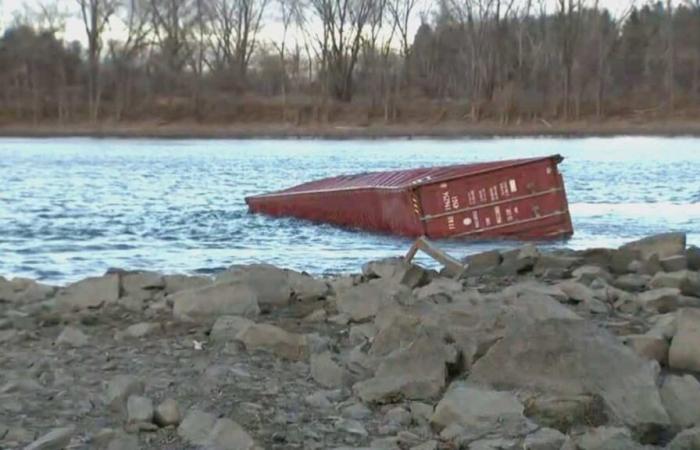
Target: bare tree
95,15
343,23
236,25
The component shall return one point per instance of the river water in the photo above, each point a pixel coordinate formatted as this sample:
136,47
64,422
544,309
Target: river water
74,207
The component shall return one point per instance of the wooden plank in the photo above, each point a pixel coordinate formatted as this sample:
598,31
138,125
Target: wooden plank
454,266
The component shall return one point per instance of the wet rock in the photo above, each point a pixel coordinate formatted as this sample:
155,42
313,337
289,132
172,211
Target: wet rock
681,397
226,328
72,337
326,371
196,427
416,372
674,263
275,340
575,357
56,439
89,293
607,438
167,413
209,302
177,283
480,412
685,351
228,435
648,346
686,440
544,439
119,389
139,409
663,245
482,263
660,300
139,330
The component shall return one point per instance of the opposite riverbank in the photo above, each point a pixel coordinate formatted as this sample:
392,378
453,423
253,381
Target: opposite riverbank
443,130
587,350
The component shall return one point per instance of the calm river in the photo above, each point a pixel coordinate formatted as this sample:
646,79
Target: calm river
75,207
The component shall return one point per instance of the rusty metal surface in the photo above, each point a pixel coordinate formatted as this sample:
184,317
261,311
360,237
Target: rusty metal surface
522,198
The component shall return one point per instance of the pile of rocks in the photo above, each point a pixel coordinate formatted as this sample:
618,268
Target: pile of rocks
593,350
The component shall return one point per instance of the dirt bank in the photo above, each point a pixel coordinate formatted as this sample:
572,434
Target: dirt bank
447,130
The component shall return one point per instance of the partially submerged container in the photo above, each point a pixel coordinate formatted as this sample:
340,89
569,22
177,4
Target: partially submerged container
520,199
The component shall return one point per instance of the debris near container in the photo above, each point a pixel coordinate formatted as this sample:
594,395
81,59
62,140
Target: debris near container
518,199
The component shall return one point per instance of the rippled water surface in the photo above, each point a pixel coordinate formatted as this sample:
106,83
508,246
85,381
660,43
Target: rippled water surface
76,207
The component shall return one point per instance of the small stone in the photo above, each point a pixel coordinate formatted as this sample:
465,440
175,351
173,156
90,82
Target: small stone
544,439
325,371
351,426
275,340
139,409
140,330
72,337
196,427
56,439
227,327
167,413
356,411
119,389
124,442
228,435
318,400
398,416
428,445
316,316
607,438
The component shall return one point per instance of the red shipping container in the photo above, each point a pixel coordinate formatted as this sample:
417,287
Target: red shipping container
521,199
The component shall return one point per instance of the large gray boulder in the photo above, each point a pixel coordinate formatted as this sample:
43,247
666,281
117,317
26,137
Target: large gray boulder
89,293
480,413
396,270
226,328
24,290
269,283
209,302
681,397
686,440
275,340
685,346
363,302
196,427
415,372
662,245
607,438
575,357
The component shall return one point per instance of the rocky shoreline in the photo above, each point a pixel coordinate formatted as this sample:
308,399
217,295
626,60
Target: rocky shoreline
593,350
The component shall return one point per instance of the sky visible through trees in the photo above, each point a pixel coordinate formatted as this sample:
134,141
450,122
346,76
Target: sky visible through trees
318,61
